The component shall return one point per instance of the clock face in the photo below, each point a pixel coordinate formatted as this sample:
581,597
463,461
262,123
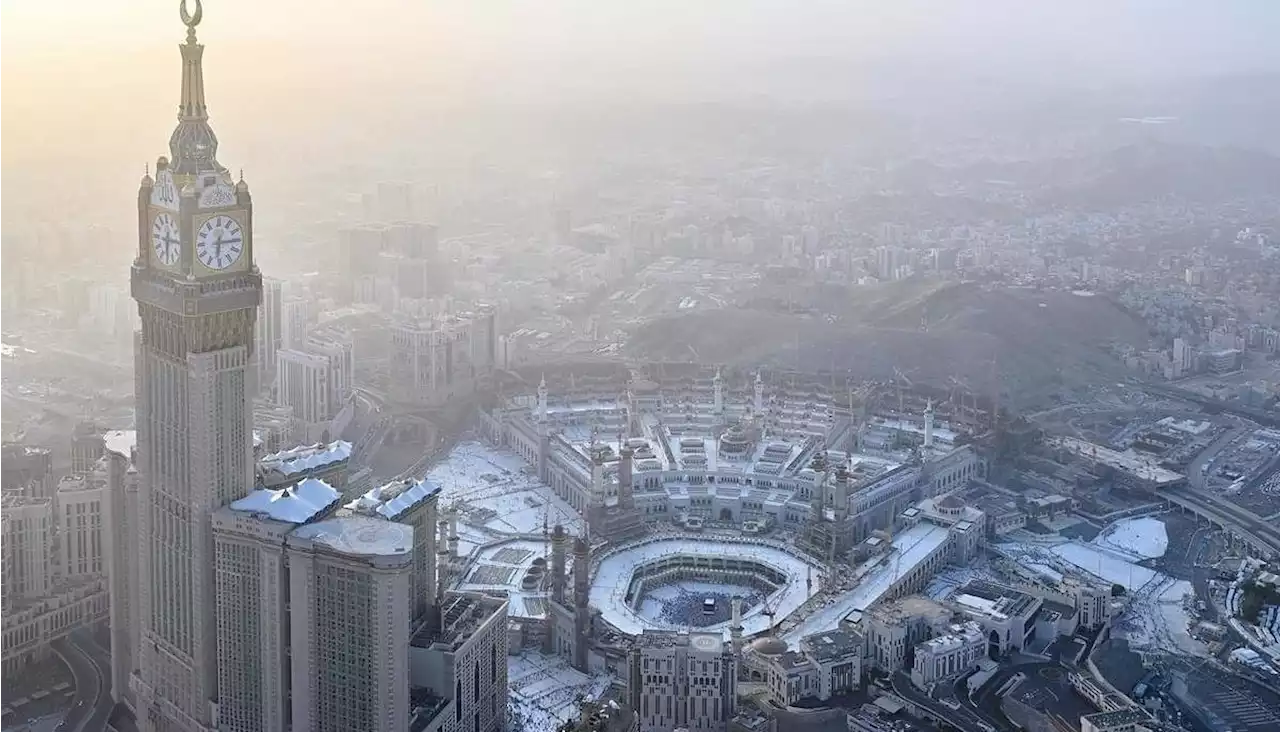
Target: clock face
165,239
219,242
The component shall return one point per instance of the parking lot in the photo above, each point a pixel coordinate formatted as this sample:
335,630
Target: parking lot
1230,702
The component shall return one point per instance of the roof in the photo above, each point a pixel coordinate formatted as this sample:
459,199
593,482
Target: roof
359,536
958,635
889,703
293,504
307,457
1128,462
394,498
994,600
829,645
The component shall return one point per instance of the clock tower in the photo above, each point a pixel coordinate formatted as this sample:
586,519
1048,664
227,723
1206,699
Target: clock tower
198,291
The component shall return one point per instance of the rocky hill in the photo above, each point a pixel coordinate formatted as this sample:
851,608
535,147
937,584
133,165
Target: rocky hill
1040,342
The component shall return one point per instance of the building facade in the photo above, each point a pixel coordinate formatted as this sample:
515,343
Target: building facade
254,669
444,358
826,664
80,515
28,541
1007,616
413,503
682,681
763,466
948,655
891,629
349,581
315,377
6,566
461,657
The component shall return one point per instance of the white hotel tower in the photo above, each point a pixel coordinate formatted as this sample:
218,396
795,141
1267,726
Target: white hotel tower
349,583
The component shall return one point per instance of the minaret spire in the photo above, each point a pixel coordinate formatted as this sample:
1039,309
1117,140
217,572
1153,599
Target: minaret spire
193,146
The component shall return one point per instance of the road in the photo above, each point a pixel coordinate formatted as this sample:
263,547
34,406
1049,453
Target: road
964,717
1196,469
375,406
91,667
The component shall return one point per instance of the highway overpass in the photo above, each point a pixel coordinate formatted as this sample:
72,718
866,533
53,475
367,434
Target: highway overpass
1247,526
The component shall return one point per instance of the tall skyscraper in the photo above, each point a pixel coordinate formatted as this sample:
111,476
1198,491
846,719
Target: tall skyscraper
198,293
270,331
349,583
120,514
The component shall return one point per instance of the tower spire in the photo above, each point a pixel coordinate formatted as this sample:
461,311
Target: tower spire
193,147
192,105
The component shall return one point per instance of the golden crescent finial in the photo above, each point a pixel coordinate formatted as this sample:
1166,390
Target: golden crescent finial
188,19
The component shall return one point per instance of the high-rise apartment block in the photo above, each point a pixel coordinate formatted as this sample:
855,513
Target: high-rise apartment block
388,263
80,516
297,317
315,377
444,358
57,549
53,581
86,448
27,538
8,580
269,334
313,613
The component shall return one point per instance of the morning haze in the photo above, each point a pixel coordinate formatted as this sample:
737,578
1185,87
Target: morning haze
655,366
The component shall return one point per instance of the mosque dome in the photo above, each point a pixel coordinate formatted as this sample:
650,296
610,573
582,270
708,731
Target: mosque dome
769,646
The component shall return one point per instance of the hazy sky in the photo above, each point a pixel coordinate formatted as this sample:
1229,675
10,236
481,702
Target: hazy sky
1170,34
96,81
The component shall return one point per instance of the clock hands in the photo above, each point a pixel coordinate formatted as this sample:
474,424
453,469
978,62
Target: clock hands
220,244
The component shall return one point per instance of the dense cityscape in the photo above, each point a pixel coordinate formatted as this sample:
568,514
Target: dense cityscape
970,426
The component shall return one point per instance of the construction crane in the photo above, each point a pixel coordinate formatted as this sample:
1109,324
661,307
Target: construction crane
769,613
902,378
959,389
